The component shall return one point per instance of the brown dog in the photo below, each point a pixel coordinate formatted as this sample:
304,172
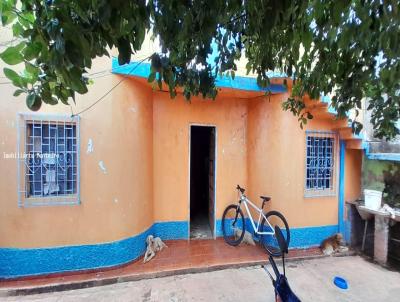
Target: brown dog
333,244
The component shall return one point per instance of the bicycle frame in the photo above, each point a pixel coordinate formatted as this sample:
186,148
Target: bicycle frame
246,201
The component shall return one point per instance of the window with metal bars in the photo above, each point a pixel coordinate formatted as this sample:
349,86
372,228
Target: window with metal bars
320,163
50,161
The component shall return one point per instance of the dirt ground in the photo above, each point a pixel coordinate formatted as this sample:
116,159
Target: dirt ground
312,280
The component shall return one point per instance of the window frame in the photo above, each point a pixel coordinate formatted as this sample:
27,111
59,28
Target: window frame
23,119
323,192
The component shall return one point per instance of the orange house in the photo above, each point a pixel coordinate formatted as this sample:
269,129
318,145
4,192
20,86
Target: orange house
83,190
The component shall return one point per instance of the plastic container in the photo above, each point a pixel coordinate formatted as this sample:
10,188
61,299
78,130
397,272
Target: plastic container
373,199
340,282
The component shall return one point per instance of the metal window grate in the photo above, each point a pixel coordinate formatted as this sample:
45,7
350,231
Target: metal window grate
49,161
320,175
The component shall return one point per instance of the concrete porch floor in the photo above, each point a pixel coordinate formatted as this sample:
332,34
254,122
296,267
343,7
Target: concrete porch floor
181,257
311,280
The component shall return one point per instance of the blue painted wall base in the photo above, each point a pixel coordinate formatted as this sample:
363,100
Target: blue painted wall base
299,237
16,262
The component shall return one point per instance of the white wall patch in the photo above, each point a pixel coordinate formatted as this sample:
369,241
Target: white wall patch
89,146
102,167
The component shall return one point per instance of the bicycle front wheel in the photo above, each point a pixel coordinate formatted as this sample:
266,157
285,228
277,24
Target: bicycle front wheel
233,225
270,242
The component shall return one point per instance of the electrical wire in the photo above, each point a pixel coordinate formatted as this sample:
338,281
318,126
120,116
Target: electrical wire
108,71
110,90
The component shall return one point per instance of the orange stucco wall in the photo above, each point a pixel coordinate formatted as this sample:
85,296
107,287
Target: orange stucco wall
143,139
171,151
352,177
114,205
259,146
276,163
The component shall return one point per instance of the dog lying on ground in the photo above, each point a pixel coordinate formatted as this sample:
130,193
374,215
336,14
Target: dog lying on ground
333,244
154,245
247,237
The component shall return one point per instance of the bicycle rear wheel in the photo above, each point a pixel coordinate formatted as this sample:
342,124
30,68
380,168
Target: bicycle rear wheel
270,242
233,227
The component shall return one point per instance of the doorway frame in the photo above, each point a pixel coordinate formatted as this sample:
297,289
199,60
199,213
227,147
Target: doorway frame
214,233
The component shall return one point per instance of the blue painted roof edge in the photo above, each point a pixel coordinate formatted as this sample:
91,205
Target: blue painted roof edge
379,156
384,156
240,83
327,99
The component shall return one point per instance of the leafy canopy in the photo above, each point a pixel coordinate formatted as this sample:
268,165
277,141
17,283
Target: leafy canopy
347,48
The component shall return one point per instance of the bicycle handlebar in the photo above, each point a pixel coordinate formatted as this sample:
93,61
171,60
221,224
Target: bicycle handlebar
240,189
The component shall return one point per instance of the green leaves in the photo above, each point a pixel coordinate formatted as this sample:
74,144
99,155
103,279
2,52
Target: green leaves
349,49
32,51
18,92
77,83
30,100
33,101
16,79
11,74
124,49
60,40
151,77
12,55
7,14
17,29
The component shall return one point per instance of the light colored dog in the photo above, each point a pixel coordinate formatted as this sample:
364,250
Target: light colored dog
247,237
154,245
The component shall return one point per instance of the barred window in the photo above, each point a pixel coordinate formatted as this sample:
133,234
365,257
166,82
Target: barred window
48,160
320,163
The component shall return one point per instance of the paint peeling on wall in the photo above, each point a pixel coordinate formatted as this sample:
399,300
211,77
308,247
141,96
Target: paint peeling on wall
90,147
10,124
102,167
238,139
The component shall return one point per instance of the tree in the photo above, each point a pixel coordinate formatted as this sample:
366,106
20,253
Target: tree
346,48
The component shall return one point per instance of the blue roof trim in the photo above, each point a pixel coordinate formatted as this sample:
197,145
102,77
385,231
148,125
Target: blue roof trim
384,156
380,156
241,83
142,70
247,83
326,99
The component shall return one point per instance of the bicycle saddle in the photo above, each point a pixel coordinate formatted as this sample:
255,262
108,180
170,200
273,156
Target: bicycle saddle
265,198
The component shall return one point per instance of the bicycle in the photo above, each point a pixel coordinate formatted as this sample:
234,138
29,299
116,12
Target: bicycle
283,292
234,224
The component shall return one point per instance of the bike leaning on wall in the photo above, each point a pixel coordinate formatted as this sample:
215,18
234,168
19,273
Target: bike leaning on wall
234,224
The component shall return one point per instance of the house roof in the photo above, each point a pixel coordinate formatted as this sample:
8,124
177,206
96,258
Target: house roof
142,70
242,84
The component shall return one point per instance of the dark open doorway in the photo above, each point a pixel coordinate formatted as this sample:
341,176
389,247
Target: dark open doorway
202,181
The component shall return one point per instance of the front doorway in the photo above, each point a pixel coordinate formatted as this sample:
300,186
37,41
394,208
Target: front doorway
202,181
